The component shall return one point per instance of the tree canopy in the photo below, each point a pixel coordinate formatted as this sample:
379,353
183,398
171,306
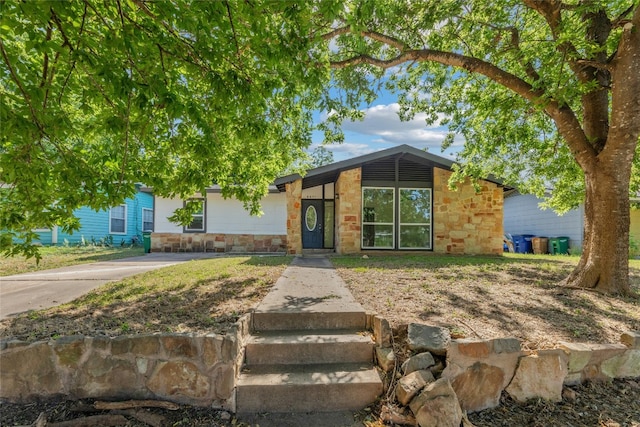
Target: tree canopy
178,94
511,78
545,92
98,95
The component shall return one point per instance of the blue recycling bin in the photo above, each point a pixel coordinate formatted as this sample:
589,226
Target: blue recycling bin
522,243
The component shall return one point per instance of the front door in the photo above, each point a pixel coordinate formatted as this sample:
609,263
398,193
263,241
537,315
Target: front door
312,224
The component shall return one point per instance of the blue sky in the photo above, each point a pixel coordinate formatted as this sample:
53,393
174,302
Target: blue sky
383,129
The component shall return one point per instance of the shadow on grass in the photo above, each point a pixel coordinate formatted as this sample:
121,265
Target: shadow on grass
516,295
208,304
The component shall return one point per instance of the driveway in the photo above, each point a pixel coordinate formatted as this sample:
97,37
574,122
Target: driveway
43,289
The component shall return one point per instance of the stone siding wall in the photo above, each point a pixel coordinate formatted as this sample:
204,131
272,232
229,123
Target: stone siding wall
294,218
216,242
466,221
348,211
199,370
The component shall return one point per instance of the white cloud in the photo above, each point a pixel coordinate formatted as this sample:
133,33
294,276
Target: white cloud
383,124
349,150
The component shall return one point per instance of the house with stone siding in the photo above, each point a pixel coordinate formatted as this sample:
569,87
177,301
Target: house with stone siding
392,200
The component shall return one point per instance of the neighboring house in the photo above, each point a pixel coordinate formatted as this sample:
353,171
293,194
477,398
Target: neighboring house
397,199
523,215
121,224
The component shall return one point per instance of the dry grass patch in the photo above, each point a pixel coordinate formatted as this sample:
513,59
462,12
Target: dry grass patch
61,256
200,296
487,297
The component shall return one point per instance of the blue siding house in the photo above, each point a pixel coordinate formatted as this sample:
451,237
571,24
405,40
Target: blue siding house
121,224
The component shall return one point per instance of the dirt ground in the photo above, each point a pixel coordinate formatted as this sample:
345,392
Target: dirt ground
491,297
613,404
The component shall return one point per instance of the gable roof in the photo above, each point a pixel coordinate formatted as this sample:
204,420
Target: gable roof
329,173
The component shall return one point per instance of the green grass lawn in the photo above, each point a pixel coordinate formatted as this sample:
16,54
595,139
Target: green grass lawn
61,256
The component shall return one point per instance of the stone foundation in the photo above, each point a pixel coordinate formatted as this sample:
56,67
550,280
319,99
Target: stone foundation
199,370
216,242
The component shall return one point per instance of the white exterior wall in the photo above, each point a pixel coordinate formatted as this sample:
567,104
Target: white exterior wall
522,215
164,208
230,217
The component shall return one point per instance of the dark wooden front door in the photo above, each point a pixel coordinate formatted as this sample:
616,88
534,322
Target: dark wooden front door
312,224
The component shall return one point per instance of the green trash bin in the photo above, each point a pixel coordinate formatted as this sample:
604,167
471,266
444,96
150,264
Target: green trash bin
559,245
146,242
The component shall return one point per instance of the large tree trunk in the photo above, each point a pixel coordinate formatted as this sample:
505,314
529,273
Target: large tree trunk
604,264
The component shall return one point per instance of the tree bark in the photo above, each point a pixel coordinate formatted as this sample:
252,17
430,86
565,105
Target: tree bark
604,264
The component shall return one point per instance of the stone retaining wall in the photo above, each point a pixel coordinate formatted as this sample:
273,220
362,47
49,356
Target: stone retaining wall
479,371
198,370
216,242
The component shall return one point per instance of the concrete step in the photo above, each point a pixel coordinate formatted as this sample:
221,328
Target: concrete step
311,320
307,388
303,347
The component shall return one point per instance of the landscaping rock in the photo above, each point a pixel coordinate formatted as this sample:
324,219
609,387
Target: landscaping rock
386,358
480,369
69,350
437,406
178,379
28,371
382,331
625,365
437,369
412,384
631,339
539,375
578,356
108,376
418,362
478,386
428,338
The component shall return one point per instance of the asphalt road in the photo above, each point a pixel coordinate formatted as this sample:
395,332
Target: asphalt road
43,289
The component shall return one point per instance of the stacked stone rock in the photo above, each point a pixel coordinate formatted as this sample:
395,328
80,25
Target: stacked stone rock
478,371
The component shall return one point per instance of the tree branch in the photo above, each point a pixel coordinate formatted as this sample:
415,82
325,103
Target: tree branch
562,115
233,29
382,38
621,20
18,83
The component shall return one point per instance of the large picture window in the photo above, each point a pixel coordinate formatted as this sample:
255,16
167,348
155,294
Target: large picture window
198,216
378,218
118,220
415,218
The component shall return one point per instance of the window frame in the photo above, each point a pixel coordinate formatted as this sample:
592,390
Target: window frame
429,224
186,228
111,218
392,224
145,230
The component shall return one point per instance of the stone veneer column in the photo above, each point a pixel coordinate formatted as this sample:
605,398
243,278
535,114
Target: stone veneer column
466,221
294,223
348,211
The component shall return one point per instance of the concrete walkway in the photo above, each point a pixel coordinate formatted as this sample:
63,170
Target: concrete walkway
309,285
309,295
43,289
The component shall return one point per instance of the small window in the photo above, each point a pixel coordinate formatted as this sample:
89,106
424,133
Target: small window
118,220
147,219
197,221
311,218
